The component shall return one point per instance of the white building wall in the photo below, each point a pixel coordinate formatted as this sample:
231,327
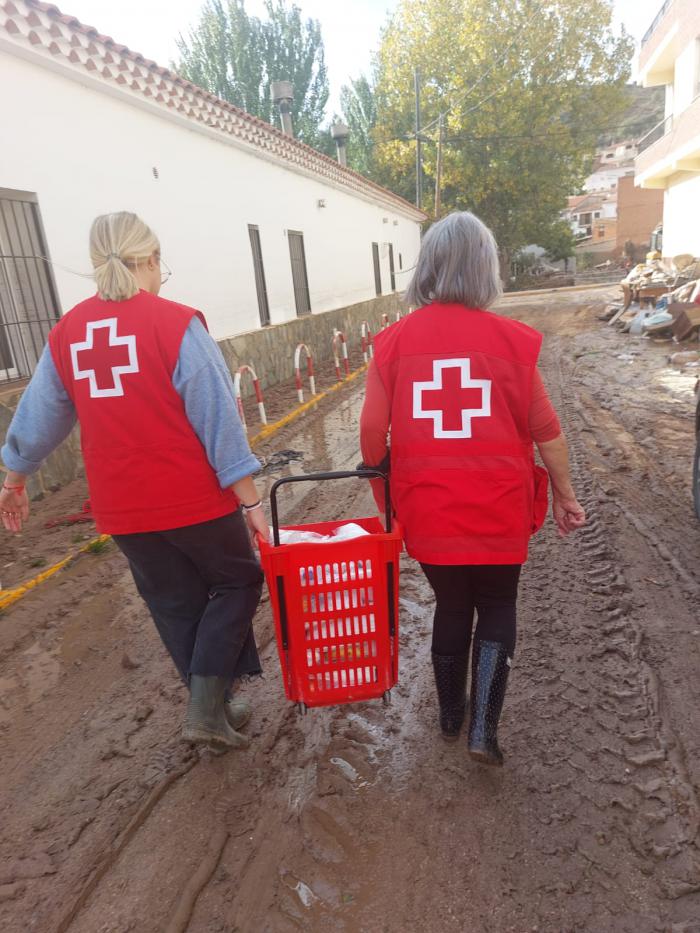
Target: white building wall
668,102
685,78
681,212
85,152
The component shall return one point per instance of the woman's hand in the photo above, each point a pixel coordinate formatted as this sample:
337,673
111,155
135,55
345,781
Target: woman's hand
257,523
568,513
249,497
14,507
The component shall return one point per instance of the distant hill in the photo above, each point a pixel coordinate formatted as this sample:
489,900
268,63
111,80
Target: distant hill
644,111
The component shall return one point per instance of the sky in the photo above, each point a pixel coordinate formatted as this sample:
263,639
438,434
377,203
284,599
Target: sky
350,29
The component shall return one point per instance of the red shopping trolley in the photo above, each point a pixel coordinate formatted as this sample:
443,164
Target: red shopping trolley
335,605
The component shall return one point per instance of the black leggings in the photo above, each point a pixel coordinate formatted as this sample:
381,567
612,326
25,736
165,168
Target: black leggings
491,589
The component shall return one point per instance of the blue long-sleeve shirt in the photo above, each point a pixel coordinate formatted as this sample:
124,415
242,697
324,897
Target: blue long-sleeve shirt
46,415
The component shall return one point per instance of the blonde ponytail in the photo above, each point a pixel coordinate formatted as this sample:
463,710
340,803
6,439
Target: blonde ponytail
118,243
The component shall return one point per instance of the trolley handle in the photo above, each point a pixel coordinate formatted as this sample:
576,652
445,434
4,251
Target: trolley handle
317,477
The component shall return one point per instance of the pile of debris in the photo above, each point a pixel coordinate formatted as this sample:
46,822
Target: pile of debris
661,298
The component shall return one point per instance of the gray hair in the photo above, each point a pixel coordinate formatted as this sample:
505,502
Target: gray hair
118,243
457,264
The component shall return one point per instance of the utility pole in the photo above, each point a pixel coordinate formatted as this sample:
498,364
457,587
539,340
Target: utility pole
419,151
438,170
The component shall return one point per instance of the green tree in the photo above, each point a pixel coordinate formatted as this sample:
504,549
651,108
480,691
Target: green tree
237,57
557,240
527,87
359,108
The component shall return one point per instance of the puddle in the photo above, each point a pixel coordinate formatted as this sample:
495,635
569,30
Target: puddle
330,441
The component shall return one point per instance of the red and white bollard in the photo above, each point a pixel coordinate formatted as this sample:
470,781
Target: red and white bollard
309,370
339,340
398,315
249,371
367,345
385,321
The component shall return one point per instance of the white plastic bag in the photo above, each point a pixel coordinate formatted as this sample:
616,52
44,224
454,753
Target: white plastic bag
343,533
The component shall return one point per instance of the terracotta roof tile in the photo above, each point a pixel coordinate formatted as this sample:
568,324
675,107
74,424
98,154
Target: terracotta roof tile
39,25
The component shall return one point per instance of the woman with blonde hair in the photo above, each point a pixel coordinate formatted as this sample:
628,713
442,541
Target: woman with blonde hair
167,461
458,387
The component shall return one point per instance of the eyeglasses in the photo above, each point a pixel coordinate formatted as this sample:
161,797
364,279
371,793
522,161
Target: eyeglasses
165,272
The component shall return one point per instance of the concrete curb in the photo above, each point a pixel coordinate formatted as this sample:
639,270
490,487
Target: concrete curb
271,429
559,291
10,597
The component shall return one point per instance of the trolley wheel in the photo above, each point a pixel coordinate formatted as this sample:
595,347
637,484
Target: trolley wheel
386,698
301,709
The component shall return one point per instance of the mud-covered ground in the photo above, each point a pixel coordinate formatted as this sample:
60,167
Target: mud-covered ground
360,819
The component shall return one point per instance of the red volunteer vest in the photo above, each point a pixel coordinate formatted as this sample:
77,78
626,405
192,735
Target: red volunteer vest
464,482
146,468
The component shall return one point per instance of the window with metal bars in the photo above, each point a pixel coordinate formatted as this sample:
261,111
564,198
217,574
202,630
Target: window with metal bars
392,273
300,278
377,269
260,286
28,299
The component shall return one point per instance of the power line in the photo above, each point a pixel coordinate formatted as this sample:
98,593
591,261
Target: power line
498,137
471,89
483,77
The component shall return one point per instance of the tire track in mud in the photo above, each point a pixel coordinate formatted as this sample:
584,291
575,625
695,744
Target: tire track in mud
657,801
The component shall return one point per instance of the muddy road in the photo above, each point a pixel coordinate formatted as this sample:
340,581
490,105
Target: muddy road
360,819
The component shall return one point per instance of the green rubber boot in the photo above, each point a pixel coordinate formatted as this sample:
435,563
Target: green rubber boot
237,711
206,719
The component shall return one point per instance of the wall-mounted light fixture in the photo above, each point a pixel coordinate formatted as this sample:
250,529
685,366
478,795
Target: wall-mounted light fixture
385,220
321,202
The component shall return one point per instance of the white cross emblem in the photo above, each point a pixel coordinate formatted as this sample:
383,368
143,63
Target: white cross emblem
466,382
117,371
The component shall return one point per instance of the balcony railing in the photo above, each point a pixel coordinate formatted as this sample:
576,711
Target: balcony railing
659,131
659,16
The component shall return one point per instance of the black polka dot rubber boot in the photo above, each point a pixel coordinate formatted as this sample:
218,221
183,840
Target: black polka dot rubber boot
490,668
451,682
206,719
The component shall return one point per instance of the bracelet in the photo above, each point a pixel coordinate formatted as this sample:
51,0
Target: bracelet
251,508
13,488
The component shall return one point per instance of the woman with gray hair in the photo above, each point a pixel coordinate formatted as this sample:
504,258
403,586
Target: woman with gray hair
167,462
459,390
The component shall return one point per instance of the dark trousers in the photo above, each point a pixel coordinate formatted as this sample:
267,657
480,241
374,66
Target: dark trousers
490,589
202,585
